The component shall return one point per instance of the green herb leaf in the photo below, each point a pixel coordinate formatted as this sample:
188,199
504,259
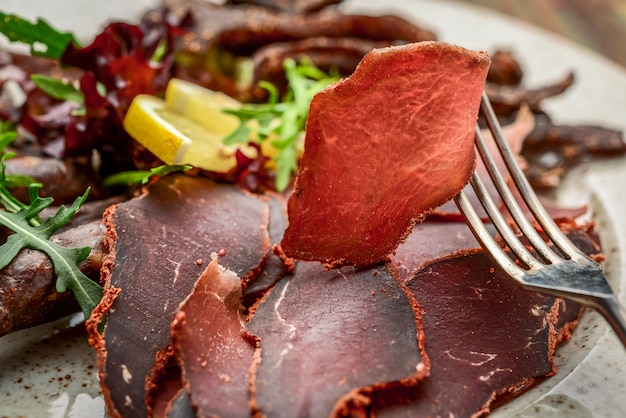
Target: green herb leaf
58,89
44,40
282,122
7,135
19,180
65,260
30,232
138,177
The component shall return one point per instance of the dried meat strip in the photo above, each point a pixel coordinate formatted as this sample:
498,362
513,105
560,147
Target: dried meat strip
552,150
331,338
243,29
158,244
211,345
370,170
506,100
223,31
329,54
290,6
28,295
505,69
276,265
485,336
429,241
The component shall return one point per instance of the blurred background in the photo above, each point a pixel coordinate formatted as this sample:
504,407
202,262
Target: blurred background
596,24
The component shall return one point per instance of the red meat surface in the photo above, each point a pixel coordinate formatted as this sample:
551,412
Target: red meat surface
330,339
212,347
383,148
158,244
485,336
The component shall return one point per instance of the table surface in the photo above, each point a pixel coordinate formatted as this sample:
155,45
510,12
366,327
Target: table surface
599,25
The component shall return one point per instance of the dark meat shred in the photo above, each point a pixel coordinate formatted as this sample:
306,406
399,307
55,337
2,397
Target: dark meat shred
505,69
552,150
290,6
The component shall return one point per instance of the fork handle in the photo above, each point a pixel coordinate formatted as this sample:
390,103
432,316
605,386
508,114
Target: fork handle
615,315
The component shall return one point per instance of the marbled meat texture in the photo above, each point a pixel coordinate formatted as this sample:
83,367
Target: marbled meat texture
329,338
383,148
159,244
487,339
212,347
485,336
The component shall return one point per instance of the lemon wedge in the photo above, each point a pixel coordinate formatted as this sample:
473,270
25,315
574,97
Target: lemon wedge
203,106
188,127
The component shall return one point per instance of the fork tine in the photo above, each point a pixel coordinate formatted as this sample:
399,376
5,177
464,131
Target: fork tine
501,225
511,204
526,192
576,277
484,237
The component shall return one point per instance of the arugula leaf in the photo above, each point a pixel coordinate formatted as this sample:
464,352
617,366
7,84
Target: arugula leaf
138,177
30,232
282,122
44,40
58,89
7,135
65,260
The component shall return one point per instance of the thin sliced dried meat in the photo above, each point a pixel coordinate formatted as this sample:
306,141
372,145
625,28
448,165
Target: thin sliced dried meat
242,29
504,69
291,6
329,54
329,338
158,244
383,148
275,266
429,241
211,345
485,336
506,100
553,150
28,294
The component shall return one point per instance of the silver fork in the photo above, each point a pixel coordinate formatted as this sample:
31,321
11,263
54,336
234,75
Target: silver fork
570,274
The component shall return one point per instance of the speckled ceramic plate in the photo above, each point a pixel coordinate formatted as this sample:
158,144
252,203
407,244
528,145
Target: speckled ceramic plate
50,371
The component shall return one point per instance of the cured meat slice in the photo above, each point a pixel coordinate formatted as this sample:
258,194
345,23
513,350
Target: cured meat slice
275,266
329,338
370,170
241,30
158,244
485,336
553,150
28,294
165,388
211,345
429,241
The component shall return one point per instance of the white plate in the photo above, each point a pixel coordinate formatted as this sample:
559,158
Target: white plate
50,371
